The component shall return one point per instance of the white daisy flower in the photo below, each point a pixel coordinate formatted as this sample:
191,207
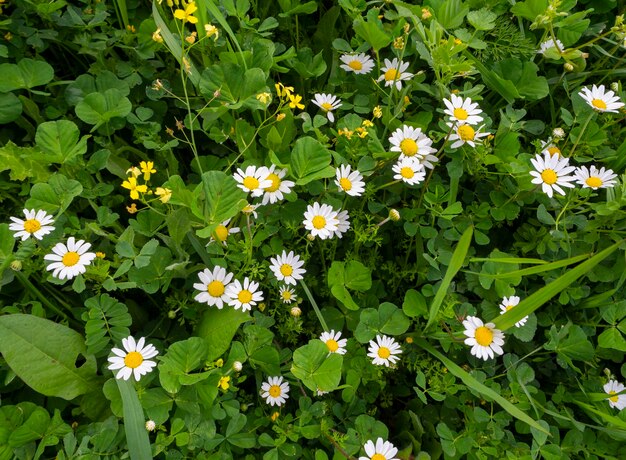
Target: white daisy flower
613,388
394,73
595,178
601,100
278,187
549,43
328,103
212,286
37,224
275,391
334,342
427,161
465,134
552,173
134,359
409,170
508,303
253,180
484,339
287,294
286,267
551,148
357,63
321,220
410,142
381,450
384,350
463,110
344,223
69,260
244,296
349,181
221,232
251,209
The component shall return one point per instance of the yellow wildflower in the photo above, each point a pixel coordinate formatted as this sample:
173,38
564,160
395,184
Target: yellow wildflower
211,30
135,189
134,171
191,39
156,36
295,102
367,123
131,28
223,384
398,43
101,255
426,14
283,91
274,416
147,168
186,15
264,98
362,132
164,194
377,112
280,116
219,363
132,209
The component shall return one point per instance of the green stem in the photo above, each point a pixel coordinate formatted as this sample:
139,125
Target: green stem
315,307
580,135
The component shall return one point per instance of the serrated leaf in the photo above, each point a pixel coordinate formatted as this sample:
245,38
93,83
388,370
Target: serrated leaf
483,19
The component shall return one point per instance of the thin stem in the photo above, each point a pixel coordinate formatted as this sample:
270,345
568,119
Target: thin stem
580,135
315,307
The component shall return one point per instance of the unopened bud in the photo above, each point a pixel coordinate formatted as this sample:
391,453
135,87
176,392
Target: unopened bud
216,93
568,66
615,86
150,425
295,312
16,265
558,133
426,14
394,215
310,237
171,314
237,366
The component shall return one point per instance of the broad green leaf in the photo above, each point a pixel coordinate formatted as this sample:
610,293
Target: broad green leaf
237,86
55,196
414,304
60,140
27,73
222,198
100,108
530,9
612,338
180,360
316,367
483,19
372,30
134,422
388,319
571,344
523,75
218,327
10,108
451,13
310,160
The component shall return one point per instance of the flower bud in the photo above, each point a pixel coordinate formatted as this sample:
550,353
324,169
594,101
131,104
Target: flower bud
568,67
237,366
16,265
295,312
310,237
171,314
394,215
150,425
615,86
558,133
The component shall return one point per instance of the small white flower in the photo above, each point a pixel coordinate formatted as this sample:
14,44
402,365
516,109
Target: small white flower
321,220
349,181
595,178
357,63
558,133
221,232
601,100
465,134
244,296
275,391
384,350
549,43
334,342
463,110
381,450
410,142
212,286
344,223
287,294
394,73
278,188
253,180
328,103
552,173
613,388
409,170
251,209
484,339
287,267
150,425
237,366
37,224
69,260
133,360
508,303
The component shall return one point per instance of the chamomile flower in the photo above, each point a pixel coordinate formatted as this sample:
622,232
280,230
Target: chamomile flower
595,178
134,359
251,209
274,192
462,110
486,341
384,351
613,388
465,134
601,100
394,73
410,142
287,294
69,260
358,63
409,170
344,223
349,181
275,391
321,220
212,286
381,450
253,180
244,296
287,267
334,342
328,103
36,224
549,43
221,232
508,303
552,173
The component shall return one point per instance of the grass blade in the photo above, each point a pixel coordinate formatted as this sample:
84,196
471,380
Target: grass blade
134,422
545,267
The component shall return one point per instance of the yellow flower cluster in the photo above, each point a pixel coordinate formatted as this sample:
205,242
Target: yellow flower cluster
286,95
145,169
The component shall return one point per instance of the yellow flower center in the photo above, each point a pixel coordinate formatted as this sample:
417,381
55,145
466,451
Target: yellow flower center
319,222
274,391
409,147
599,104
379,457
355,65
286,269
391,75
31,225
407,172
554,150
549,176
133,359
215,288
332,345
460,114
484,336
244,296
251,183
594,182
327,106
614,398
384,352
221,233
466,133
345,184
508,307
70,259
275,182
286,295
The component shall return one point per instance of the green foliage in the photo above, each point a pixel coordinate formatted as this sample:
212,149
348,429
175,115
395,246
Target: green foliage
106,321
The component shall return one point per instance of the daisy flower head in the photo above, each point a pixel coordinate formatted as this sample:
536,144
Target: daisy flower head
508,303
552,173
465,134
349,181
275,391
36,224
410,142
384,350
486,341
548,44
221,232
274,192
71,259
360,63
250,209
287,267
344,223
212,286
551,148
613,388
253,180
595,178
380,450
287,294
243,296
462,110
409,170
334,342
601,100
328,103
394,73
321,220
134,359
